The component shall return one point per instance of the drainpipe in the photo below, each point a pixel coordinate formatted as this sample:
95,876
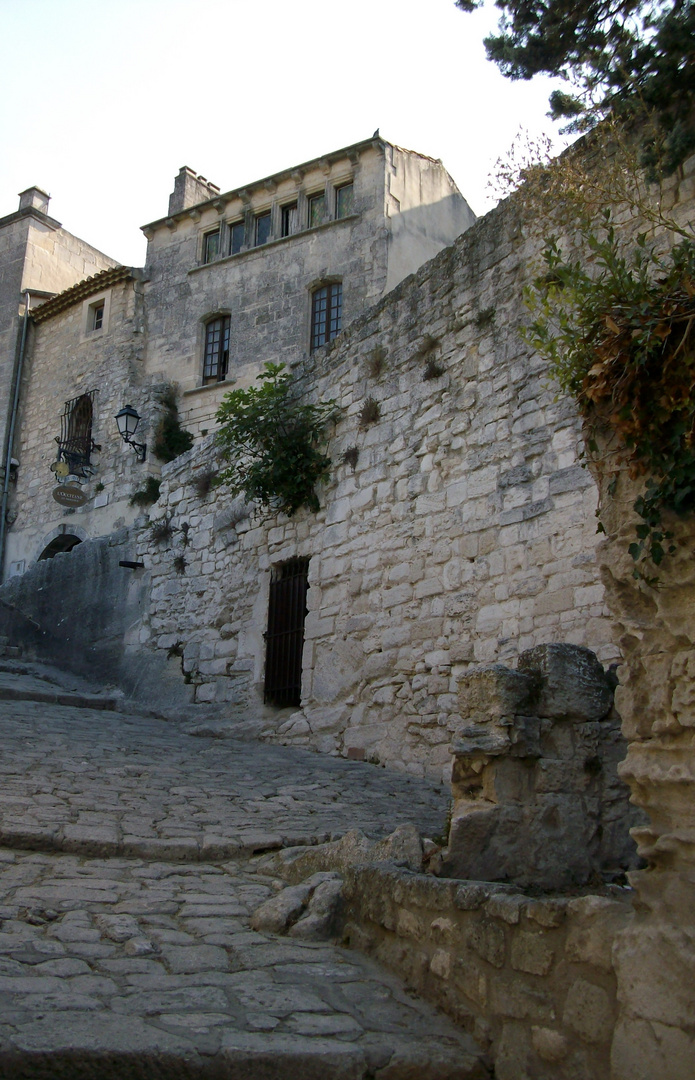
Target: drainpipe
10,436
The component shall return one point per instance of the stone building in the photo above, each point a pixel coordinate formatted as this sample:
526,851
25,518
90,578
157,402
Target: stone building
274,270
270,272
38,258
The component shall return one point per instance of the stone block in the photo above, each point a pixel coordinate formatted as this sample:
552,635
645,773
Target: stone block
531,953
588,1011
573,682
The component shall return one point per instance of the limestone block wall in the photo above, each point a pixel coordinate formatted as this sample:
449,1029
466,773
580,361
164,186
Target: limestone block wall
531,978
655,956
36,253
536,795
464,533
64,360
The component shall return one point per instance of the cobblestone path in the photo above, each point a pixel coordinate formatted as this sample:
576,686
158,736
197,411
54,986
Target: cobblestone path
127,877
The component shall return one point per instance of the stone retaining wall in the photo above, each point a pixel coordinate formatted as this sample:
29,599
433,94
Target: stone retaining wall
532,979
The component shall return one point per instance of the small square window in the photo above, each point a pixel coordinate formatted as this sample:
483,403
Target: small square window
317,209
97,317
262,229
290,219
211,246
237,234
343,201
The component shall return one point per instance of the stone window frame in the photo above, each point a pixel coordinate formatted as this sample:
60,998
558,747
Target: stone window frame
205,322
276,209
207,237
326,281
89,309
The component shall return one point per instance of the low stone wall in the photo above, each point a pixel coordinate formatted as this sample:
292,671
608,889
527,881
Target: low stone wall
531,979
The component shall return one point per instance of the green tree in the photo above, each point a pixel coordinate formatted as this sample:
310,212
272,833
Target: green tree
274,443
632,58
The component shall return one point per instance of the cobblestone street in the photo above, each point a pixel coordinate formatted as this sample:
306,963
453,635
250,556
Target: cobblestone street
127,878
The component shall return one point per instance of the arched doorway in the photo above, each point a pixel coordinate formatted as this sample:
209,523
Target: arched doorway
64,542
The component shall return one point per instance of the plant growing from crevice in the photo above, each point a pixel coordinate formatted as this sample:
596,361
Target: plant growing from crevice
148,493
432,370
425,346
180,564
204,482
161,530
170,439
351,457
274,443
369,413
619,335
376,361
185,528
484,318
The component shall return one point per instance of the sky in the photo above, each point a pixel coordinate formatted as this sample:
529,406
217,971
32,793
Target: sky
102,101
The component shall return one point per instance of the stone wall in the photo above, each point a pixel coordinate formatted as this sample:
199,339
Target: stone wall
36,253
405,208
65,359
464,533
532,979
655,956
536,795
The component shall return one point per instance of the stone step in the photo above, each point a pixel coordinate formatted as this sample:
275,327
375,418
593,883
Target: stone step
59,697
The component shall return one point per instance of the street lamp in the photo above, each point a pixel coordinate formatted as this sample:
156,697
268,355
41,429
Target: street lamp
128,420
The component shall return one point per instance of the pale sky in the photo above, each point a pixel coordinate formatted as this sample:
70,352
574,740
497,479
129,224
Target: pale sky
102,101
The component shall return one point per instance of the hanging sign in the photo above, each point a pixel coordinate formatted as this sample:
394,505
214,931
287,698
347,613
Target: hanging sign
69,495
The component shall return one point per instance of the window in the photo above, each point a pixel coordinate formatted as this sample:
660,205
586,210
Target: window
290,220
75,443
261,229
343,201
317,209
237,234
97,316
211,246
216,358
326,313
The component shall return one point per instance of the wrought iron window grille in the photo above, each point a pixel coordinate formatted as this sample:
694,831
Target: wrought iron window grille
75,443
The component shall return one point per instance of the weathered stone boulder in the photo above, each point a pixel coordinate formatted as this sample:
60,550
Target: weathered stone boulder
536,795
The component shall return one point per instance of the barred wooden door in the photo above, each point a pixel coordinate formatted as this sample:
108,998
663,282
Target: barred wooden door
285,635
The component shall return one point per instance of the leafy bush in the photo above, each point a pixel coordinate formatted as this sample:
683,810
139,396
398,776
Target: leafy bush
148,493
274,442
619,337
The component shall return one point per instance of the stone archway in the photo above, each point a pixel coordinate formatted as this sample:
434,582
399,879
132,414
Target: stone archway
63,542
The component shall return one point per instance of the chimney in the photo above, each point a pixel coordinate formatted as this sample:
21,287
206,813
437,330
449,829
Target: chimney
34,198
190,189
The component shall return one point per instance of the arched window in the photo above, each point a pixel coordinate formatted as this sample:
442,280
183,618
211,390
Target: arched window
216,355
326,313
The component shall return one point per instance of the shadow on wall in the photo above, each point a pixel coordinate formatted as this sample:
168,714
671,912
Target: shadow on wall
79,609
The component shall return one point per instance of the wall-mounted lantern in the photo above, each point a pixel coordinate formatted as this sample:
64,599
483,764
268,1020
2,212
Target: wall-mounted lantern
128,420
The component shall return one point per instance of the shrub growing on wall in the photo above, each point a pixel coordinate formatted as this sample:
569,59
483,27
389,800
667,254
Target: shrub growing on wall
274,443
170,439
